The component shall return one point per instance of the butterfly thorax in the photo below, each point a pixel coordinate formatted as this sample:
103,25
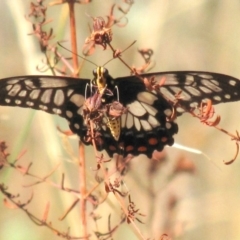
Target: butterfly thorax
101,79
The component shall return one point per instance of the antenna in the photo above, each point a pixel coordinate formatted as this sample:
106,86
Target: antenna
120,52
91,61
76,54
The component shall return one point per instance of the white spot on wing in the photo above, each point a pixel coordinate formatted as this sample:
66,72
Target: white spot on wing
69,92
69,114
59,97
210,85
151,110
136,108
175,89
123,120
30,104
204,89
137,123
171,79
168,112
185,95
153,121
129,122
8,87
192,91
7,100
14,90
146,97
43,107
57,110
34,94
14,81
76,126
217,98
205,76
227,96
193,104
80,111
77,99
232,82
168,125
214,82
189,79
167,93
29,83
52,83
146,126
23,93
46,96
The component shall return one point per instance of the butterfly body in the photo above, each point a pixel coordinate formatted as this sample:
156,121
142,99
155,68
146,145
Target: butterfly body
127,116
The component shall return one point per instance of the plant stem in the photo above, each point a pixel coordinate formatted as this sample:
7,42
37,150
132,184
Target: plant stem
136,229
82,166
83,189
73,38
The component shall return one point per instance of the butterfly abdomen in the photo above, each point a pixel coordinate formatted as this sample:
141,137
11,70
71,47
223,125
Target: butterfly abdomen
115,127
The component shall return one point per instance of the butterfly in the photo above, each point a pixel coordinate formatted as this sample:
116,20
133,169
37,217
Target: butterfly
127,116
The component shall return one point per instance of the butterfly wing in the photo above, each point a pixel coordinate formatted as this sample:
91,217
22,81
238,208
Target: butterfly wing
63,96
197,86
145,126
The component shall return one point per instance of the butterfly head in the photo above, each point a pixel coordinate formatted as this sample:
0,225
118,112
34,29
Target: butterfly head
100,77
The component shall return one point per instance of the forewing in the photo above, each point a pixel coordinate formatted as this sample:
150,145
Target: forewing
197,86
57,95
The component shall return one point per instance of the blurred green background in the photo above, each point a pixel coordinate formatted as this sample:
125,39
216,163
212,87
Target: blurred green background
185,35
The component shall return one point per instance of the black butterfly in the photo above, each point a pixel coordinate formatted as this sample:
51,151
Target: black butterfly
143,127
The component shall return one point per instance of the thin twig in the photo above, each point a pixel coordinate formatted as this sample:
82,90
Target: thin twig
83,189
73,38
